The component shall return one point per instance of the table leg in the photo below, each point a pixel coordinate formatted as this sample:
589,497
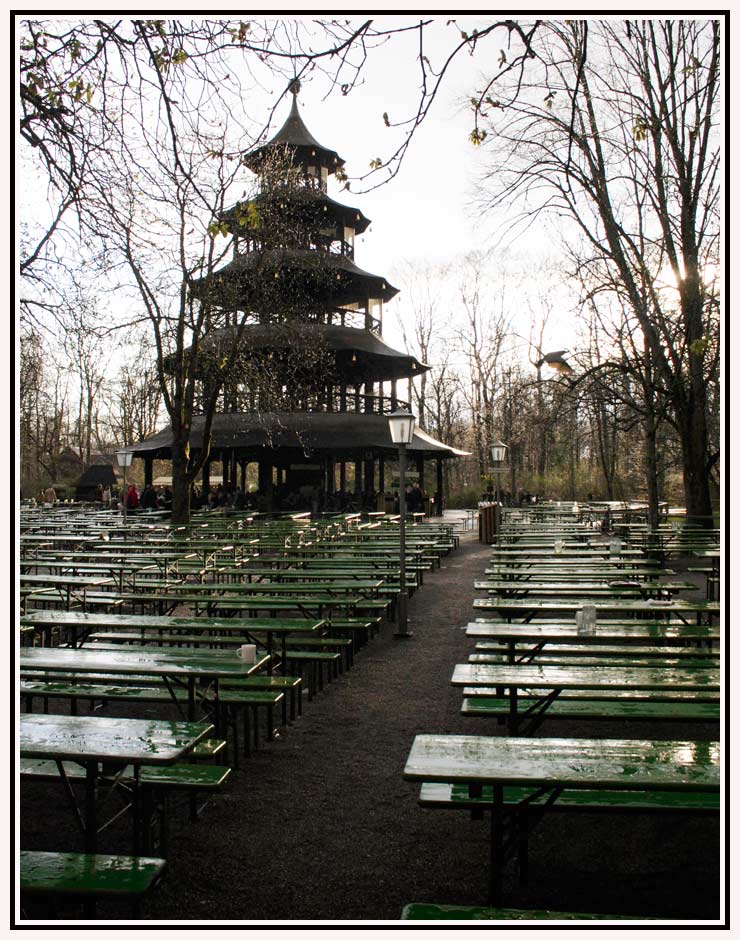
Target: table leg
91,824
497,844
191,698
513,710
136,809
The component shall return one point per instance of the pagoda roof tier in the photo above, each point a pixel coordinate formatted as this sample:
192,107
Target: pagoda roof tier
247,282
310,205
296,136
360,356
337,434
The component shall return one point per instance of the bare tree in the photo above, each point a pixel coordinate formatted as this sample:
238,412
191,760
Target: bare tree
618,133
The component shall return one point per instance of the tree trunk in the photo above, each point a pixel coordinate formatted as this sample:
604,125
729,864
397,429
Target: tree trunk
651,469
180,483
695,476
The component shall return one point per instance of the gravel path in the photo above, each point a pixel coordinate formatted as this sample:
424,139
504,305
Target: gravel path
320,825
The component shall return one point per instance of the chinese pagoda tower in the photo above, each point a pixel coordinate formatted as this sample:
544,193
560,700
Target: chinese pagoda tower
311,383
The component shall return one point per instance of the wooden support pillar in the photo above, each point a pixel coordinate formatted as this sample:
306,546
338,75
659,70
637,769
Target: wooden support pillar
394,394
369,482
357,399
330,475
148,471
232,470
264,476
342,476
420,470
439,497
381,475
369,398
343,398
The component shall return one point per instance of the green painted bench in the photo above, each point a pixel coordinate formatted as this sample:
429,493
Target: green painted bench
342,645
292,685
581,708
457,796
457,912
313,662
360,628
88,877
529,804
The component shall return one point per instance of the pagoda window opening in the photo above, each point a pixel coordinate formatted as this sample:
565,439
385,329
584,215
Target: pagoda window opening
348,242
374,315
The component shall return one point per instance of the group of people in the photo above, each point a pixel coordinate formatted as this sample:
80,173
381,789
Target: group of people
147,498
415,497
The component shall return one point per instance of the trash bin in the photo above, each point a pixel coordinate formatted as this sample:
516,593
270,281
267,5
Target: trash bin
489,515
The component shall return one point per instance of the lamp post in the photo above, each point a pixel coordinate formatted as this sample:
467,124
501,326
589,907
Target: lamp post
125,458
401,424
498,456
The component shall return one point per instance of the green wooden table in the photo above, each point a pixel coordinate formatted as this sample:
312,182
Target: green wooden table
555,764
185,667
68,586
510,680
106,745
526,609
566,586
588,570
528,638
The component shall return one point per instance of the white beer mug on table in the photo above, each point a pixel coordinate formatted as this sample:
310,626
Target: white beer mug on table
247,652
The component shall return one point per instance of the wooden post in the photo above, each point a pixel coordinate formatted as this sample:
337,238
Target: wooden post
148,471
439,497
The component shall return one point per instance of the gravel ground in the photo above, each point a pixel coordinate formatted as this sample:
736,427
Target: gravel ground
320,825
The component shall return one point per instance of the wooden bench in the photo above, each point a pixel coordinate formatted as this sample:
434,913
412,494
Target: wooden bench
88,877
342,645
362,628
418,911
457,796
529,804
579,705
313,661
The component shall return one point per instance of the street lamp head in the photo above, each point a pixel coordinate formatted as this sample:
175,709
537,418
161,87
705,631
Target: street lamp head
401,424
124,457
498,452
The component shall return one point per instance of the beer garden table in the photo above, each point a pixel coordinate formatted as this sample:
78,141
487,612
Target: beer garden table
555,764
526,609
102,745
657,681
176,666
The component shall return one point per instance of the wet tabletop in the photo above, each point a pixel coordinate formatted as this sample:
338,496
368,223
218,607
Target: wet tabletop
637,630
151,660
131,740
649,678
169,624
571,762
